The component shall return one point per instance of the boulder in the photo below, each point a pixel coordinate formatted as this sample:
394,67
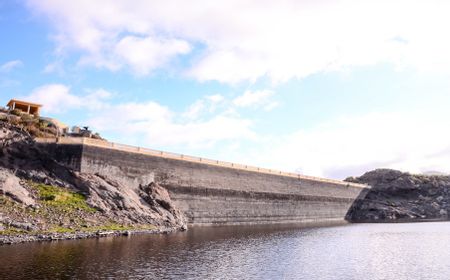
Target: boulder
10,186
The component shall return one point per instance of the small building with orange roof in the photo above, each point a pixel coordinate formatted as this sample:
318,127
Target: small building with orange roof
24,106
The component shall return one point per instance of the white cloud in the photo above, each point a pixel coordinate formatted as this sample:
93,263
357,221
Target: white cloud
54,67
146,54
215,98
244,41
352,146
147,123
160,127
228,66
195,109
207,104
256,99
10,65
95,99
270,106
57,98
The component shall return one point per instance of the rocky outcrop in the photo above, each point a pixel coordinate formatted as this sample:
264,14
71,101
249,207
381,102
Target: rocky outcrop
398,196
148,204
34,188
11,186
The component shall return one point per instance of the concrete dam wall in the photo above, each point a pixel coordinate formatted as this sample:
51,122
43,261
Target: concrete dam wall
213,192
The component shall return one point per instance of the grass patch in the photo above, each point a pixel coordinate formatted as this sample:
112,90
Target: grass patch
114,226
146,227
110,227
105,227
12,231
61,230
62,198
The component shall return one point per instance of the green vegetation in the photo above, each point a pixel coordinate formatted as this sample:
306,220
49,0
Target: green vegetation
12,231
114,227
30,123
59,229
62,198
59,210
106,227
16,112
43,124
109,227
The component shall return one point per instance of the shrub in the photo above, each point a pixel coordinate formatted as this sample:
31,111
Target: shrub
34,131
26,118
50,130
97,136
16,112
43,124
14,120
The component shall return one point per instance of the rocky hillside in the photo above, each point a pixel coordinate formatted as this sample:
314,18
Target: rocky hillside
41,198
398,196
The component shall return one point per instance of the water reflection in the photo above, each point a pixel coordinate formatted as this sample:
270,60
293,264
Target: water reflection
362,251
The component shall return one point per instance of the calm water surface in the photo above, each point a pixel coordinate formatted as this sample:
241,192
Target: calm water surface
362,251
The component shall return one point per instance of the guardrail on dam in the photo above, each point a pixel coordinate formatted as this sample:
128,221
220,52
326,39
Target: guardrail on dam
211,191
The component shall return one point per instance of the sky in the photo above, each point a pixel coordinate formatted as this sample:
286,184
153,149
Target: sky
322,88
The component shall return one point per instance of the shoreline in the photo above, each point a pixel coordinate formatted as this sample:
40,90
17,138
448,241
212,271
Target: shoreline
49,237
401,221
56,236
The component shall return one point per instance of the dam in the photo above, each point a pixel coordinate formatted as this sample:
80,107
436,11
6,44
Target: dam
212,192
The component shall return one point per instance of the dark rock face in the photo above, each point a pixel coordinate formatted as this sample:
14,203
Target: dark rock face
398,196
23,163
158,198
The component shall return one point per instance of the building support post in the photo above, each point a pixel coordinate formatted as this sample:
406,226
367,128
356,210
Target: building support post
14,105
29,108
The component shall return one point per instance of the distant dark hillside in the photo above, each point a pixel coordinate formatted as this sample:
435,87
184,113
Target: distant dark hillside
398,196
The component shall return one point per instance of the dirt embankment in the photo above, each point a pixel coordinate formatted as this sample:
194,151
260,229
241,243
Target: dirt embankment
41,199
396,196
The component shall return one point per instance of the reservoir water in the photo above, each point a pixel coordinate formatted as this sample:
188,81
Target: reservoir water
358,251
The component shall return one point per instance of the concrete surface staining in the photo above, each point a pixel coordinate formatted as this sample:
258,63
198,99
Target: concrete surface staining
210,194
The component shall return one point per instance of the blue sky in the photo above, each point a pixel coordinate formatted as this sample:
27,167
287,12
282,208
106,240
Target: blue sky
325,88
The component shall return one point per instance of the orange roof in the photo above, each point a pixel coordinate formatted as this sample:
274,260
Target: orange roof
22,103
